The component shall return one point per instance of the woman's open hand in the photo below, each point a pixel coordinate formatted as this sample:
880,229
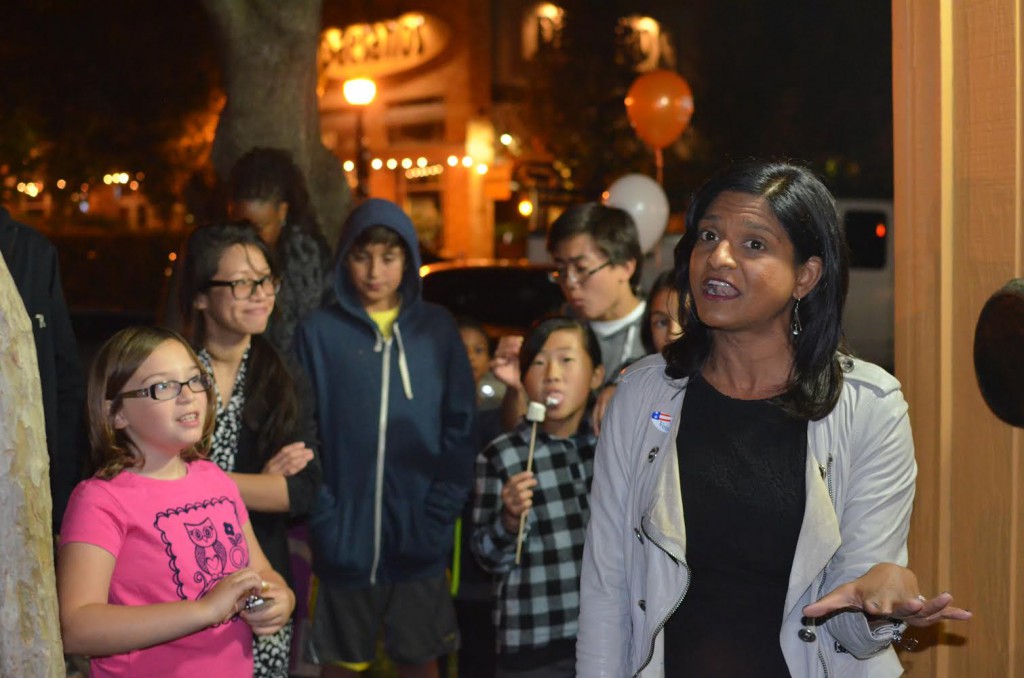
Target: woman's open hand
888,590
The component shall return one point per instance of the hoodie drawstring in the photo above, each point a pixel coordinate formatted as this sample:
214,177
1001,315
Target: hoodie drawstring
403,366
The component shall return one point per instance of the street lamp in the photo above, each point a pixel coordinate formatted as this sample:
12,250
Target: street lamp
359,92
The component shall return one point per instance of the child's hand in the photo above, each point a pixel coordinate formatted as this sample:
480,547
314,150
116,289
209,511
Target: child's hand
517,497
289,460
505,365
273,614
227,598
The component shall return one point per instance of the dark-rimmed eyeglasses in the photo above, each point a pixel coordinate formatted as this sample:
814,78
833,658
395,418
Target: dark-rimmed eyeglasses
573,273
169,390
245,288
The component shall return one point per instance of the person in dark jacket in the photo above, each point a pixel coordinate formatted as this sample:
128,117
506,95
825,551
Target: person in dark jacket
396,410
32,260
265,437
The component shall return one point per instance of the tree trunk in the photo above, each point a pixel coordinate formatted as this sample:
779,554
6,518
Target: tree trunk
30,642
268,50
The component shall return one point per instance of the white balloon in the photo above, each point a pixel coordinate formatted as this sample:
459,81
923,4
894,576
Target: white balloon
646,202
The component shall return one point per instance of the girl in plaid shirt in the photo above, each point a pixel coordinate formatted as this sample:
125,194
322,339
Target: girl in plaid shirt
538,599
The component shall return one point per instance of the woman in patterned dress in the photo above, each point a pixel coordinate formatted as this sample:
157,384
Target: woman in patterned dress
265,437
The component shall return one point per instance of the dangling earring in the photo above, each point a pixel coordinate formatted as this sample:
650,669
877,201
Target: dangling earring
691,307
796,327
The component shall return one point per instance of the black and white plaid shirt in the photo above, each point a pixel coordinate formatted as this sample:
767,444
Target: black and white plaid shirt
538,601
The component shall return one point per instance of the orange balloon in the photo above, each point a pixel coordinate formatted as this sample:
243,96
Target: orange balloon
659,105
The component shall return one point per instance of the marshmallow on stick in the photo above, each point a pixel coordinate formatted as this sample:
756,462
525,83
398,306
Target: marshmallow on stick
534,414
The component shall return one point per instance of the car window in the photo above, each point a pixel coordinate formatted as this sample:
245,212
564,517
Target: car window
867,233
504,299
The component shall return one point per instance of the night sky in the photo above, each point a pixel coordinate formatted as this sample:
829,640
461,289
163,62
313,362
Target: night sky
110,83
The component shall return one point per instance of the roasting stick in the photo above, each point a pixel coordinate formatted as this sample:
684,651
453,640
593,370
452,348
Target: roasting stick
534,414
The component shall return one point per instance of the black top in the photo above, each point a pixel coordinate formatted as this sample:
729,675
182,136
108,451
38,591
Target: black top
271,529
742,478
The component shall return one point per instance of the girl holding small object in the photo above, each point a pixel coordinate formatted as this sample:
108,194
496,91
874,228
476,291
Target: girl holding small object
157,557
538,598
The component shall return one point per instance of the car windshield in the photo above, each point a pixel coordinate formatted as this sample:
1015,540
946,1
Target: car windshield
505,299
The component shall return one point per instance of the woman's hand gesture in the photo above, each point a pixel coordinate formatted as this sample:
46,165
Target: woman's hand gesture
889,590
289,460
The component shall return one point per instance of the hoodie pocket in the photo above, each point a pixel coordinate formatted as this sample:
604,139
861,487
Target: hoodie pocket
333,539
424,539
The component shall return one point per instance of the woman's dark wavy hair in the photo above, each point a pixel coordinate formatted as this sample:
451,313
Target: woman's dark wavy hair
271,174
271,398
807,212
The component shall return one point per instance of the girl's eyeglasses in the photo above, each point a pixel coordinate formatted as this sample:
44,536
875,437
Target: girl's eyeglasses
169,390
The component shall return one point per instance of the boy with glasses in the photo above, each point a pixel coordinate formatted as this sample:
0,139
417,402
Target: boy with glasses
596,250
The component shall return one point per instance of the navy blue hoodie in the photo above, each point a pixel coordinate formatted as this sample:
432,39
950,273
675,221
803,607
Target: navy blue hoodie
396,422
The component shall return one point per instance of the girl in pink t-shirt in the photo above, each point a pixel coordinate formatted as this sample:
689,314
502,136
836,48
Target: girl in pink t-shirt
157,559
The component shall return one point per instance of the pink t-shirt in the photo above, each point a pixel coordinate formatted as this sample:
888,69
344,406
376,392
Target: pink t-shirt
172,540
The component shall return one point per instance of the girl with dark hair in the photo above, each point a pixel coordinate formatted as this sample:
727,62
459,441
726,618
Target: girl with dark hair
265,437
537,597
267,189
660,324
159,568
795,460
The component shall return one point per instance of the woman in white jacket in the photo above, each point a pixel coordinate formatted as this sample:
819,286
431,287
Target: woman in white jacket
796,463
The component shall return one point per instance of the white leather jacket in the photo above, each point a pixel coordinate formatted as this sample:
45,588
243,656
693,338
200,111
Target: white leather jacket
860,488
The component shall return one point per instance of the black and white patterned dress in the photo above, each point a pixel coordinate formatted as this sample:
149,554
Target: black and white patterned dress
270,653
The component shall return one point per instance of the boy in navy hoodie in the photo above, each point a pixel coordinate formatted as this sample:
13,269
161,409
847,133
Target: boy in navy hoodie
395,406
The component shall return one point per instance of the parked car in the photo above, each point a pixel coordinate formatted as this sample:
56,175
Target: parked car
868,318
506,296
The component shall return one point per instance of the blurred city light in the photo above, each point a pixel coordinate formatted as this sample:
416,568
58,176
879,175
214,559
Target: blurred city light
359,91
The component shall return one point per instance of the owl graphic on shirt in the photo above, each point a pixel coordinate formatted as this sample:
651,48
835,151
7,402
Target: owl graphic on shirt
211,556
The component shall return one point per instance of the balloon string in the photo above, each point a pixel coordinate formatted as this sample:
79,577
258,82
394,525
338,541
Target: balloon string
659,165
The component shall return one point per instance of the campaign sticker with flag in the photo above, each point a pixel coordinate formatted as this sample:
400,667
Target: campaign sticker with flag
661,420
